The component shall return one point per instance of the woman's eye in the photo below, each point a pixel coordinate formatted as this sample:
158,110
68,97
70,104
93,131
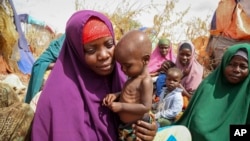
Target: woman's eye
89,51
109,44
243,67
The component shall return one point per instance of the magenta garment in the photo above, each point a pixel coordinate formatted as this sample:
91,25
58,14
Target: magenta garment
69,108
193,80
156,59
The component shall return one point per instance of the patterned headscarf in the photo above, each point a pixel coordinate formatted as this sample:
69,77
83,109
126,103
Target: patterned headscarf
69,107
156,59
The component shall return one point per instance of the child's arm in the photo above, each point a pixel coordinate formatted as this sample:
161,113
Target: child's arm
185,92
138,108
173,110
109,98
154,73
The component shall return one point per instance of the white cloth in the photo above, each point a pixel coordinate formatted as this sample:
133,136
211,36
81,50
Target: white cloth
14,81
170,104
173,133
34,101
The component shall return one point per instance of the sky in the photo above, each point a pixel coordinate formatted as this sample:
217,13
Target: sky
55,13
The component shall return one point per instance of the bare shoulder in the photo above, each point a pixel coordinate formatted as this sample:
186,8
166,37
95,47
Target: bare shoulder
147,80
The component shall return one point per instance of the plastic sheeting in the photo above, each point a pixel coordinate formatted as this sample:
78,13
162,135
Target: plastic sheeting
26,57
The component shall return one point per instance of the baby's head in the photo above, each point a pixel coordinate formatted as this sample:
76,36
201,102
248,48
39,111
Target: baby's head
133,52
174,76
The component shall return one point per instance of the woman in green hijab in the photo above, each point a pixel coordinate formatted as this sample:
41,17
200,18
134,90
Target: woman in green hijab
43,63
222,99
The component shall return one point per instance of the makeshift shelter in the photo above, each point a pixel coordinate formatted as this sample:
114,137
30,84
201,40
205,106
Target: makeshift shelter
8,39
230,25
15,53
26,60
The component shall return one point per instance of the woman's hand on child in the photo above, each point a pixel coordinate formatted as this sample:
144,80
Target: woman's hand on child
145,131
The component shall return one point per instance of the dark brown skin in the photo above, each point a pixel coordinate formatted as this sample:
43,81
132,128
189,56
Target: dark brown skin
133,53
143,130
237,70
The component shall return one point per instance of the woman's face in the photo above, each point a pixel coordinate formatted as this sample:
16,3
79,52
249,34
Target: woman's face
237,70
163,49
99,55
184,56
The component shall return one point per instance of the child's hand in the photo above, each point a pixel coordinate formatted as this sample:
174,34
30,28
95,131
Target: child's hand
166,65
180,86
115,106
107,101
191,91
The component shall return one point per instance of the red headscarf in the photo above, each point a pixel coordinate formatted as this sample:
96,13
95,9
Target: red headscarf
94,29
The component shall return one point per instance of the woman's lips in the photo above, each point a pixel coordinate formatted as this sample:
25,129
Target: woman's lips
105,67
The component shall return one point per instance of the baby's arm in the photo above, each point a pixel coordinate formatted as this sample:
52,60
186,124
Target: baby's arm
174,109
109,98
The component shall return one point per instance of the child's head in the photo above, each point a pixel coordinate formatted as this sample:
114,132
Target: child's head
163,46
173,79
133,52
185,54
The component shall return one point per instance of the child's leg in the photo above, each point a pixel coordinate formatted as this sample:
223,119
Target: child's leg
126,132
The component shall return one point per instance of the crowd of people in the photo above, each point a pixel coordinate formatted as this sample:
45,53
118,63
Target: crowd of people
97,84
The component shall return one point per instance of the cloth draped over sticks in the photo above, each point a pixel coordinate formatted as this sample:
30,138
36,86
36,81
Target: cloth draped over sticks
8,39
15,116
230,25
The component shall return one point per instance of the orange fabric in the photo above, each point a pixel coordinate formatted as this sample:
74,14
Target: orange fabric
185,102
178,116
94,29
4,67
156,99
230,23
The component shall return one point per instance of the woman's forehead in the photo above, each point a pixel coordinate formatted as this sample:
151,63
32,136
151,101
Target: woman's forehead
240,58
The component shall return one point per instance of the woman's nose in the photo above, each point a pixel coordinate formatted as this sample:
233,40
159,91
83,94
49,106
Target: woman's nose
236,69
103,54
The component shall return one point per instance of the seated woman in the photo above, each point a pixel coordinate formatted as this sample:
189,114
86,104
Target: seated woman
191,68
222,99
163,52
